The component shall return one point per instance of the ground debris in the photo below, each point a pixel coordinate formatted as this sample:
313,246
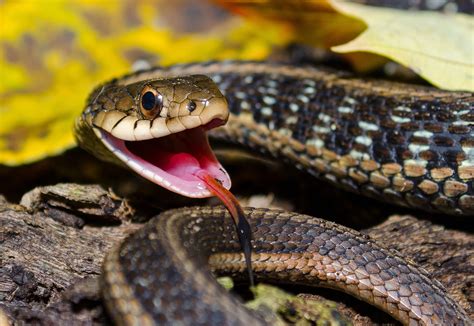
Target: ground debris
42,258
72,203
49,269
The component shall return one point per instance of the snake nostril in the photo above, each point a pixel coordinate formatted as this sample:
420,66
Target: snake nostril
191,106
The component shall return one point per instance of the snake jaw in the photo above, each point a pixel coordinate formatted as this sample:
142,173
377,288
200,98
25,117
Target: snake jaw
171,161
162,138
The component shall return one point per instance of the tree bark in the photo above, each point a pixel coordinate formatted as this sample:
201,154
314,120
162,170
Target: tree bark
53,244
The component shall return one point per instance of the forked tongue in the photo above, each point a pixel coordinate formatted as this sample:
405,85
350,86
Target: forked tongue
232,204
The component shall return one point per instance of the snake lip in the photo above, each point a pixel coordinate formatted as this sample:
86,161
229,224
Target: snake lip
172,161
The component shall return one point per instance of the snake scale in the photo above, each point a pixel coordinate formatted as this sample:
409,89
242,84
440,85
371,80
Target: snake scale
405,144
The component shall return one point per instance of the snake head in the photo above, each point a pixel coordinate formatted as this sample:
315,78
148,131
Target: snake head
158,129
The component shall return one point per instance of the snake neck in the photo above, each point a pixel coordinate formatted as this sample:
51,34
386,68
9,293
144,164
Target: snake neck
411,146
404,144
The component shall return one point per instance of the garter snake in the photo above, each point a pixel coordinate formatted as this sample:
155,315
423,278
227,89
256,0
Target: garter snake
410,145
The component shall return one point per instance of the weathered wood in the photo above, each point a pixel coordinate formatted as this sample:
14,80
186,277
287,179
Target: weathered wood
446,254
41,257
52,248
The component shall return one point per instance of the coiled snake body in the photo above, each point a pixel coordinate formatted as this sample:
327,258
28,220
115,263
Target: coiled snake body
409,145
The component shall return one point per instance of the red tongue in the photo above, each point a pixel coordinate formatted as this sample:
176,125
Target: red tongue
232,204
182,164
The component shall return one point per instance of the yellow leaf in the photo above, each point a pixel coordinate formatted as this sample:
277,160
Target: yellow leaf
439,47
314,22
52,54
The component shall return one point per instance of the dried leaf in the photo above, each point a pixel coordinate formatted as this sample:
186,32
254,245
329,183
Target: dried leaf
438,47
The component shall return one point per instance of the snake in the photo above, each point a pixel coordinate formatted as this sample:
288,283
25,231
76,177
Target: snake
406,144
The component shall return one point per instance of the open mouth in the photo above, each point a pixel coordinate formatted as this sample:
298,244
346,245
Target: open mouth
172,161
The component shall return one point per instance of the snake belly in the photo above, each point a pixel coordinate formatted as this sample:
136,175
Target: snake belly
404,144
158,275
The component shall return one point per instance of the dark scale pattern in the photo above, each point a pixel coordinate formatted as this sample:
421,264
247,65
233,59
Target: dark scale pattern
375,109
164,289
368,120
163,264
405,144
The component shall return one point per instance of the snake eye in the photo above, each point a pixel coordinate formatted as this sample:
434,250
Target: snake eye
191,106
151,102
148,100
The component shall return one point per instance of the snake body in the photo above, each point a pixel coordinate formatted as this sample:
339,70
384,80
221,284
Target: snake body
405,144
156,276
410,145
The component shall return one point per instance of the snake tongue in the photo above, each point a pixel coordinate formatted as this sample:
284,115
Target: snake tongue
244,231
173,161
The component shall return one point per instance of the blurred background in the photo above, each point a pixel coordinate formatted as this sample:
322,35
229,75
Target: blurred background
54,52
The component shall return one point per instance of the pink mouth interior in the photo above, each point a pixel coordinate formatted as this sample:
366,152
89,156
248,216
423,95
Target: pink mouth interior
182,154
176,158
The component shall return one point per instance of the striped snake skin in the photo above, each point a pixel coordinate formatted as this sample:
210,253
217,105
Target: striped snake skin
156,276
404,144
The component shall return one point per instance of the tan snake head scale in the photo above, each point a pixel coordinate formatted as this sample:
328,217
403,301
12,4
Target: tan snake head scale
157,128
